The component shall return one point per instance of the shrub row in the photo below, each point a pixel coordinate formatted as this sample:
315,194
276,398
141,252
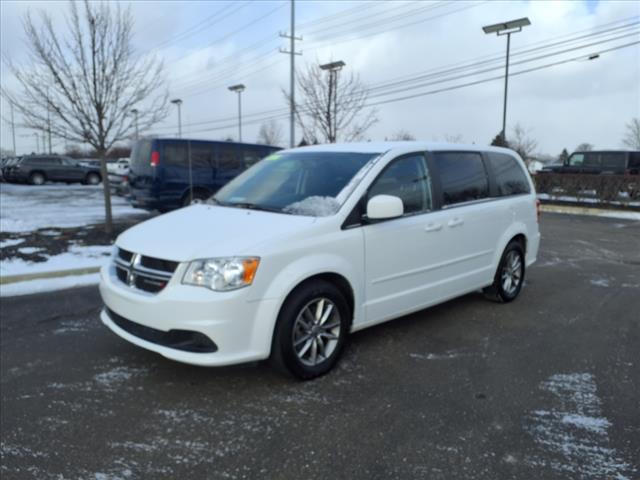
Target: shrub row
605,188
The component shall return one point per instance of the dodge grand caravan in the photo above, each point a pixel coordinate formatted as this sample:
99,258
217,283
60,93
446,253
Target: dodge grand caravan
312,243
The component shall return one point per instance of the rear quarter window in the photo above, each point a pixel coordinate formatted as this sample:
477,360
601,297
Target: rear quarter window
175,154
613,159
463,177
509,175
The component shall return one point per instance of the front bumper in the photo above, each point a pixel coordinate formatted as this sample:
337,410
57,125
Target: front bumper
240,329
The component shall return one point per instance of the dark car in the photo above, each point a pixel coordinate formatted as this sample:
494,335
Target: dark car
601,162
166,174
37,169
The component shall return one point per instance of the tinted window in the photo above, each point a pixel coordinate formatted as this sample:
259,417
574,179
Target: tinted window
613,159
591,160
228,158
175,154
141,156
462,176
634,160
509,175
201,156
576,160
251,157
407,179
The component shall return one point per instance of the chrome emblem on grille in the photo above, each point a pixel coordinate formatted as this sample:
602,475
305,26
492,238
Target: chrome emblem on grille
131,274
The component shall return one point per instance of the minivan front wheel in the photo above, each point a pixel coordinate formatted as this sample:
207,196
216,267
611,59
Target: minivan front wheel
509,277
311,330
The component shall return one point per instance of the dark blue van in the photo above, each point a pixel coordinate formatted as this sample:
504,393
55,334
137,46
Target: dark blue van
168,173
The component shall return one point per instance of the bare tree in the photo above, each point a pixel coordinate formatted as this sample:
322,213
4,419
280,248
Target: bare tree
402,135
270,133
522,142
455,138
332,111
584,147
82,87
632,135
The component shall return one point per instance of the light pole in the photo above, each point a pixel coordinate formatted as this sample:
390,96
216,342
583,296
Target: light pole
135,116
13,129
178,102
333,68
506,28
239,89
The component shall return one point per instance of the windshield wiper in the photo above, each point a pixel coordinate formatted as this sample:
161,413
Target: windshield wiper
251,206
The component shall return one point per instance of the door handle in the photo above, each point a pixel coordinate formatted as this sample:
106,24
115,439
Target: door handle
433,227
455,222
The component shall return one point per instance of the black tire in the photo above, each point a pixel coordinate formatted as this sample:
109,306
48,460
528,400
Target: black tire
37,178
284,355
501,290
92,179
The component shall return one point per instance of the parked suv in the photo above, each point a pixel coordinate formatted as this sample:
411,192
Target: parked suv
37,169
600,162
316,242
167,173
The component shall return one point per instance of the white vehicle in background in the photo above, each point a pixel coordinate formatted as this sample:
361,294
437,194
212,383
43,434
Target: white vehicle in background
118,175
312,243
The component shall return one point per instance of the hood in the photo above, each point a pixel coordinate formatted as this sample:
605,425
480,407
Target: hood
202,231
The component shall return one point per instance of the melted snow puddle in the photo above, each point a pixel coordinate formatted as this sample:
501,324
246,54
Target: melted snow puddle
575,432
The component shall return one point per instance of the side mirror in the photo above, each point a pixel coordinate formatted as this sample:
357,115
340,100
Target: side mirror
381,207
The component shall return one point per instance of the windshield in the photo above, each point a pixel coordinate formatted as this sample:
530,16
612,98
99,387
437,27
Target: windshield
300,183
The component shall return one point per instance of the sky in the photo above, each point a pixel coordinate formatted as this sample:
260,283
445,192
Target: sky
208,45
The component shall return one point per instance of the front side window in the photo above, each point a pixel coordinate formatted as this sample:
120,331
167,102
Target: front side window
576,160
462,177
406,178
509,175
300,183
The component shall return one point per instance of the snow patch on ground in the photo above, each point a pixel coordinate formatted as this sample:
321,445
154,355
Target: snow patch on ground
48,285
29,250
24,208
11,242
575,431
600,282
437,356
77,257
116,376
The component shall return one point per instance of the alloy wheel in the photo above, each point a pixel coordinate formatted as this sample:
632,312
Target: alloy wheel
511,275
316,331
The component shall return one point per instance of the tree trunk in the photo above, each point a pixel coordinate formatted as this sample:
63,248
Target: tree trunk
108,221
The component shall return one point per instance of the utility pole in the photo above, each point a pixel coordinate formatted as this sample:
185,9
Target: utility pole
292,74
13,129
506,28
333,68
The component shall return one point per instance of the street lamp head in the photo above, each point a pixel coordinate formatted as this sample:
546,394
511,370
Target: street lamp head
176,101
333,66
501,28
237,88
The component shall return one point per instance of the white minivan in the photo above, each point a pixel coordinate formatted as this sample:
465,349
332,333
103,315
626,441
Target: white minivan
312,243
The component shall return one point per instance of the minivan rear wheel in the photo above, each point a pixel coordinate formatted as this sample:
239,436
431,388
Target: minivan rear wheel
310,331
509,277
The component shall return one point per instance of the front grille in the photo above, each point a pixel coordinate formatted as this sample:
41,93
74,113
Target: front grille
185,340
148,274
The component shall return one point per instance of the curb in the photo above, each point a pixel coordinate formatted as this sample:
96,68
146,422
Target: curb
596,212
54,274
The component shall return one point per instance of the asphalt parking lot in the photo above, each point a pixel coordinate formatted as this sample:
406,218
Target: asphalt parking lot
546,387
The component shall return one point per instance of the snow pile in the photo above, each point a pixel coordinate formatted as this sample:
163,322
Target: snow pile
24,208
48,285
77,257
314,207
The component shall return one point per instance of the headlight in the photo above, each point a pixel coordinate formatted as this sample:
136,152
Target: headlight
222,274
